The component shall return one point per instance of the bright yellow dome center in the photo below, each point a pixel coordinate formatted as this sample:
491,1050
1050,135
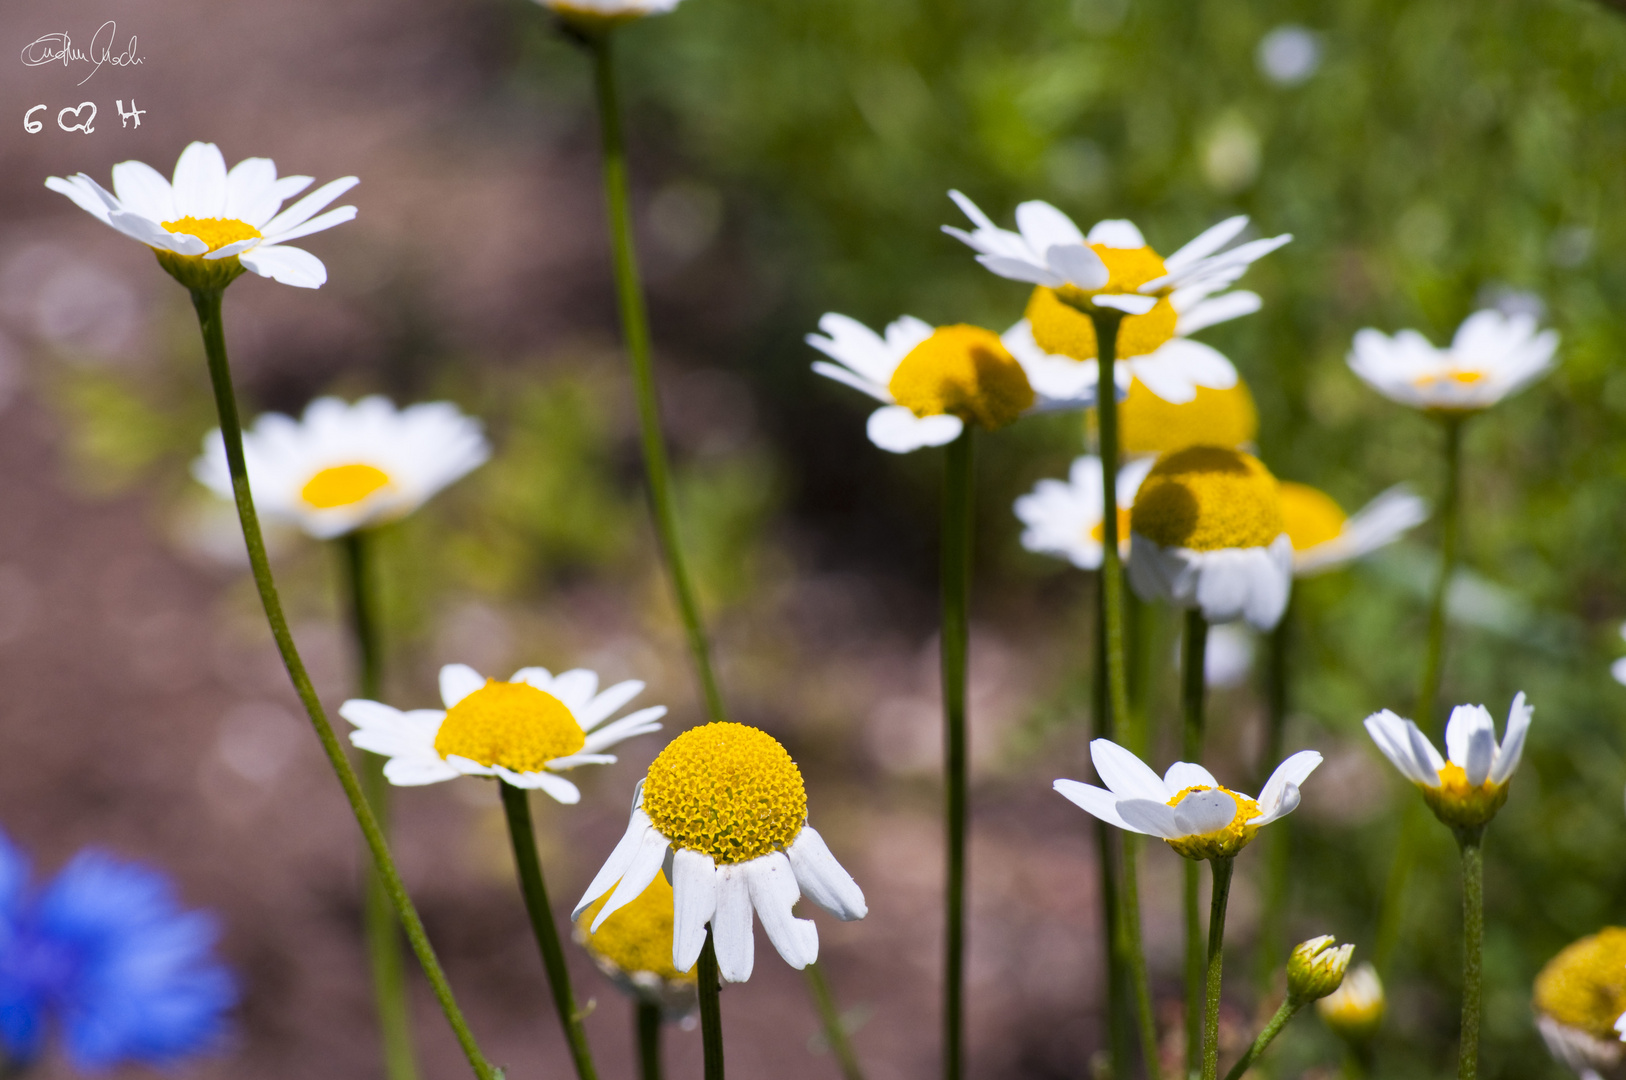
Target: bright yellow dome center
1062,329
1584,986
216,232
963,371
514,725
1310,515
726,790
343,485
1221,843
1458,803
1206,498
637,937
1149,425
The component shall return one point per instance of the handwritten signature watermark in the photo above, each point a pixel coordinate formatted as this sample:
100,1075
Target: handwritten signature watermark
60,49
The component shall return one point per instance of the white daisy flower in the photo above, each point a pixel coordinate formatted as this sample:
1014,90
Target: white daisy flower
1492,356
1064,518
1466,790
1187,807
1206,533
599,15
723,809
1355,1010
1618,668
524,731
208,225
1578,997
931,382
1324,539
345,467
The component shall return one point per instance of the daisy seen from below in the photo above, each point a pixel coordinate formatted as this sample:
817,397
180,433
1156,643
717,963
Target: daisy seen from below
1324,538
1466,788
725,806
525,731
1579,997
1064,517
343,467
1492,356
209,224
933,381
1206,534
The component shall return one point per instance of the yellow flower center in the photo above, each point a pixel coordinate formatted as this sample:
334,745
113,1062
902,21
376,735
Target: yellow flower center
343,485
963,371
1206,498
1221,843
1310,515
1584,986
1149,425
1098,532
1060,328
1460,804
514,725
216,232
638,937
726,790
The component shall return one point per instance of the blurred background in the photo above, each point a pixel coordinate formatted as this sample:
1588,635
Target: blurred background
791,158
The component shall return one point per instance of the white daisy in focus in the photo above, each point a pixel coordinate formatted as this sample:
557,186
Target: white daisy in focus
600,15
932,382
723,808
1064,518
1324,539
345,467
208,224
1186,806
1492,356
524,731
1466,788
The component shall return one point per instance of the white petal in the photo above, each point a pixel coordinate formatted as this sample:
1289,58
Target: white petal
1098,802
560,789
251,191
641,869
1204,812
1210,312
602,707
641,722
1080,266
1388,731
1512,749
823,880
1044,227
1207,242
143,190
616,865
694,902
773,894
1288,803
1128,303
288,265
1466,722
571,761
200,182
1290,773
900,431
731,925
849,378
303,210
458,681
1153,818
86,194
1022,270
1117,233
1423,752
317,224
1126,775
1184,774
412,772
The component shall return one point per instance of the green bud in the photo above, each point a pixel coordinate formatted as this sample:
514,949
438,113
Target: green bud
1316,968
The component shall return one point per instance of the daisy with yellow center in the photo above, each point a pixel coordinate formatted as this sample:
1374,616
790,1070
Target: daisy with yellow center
1064,518
1149,424
1324,538
524,731
209,224
1468,786
1355,1010
1207,534
344,467
1492,356
724,808
633,948
932,382
1579,998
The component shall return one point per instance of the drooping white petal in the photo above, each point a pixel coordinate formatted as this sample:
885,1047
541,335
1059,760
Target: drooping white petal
86,194
561,790
1098,802
851,379
287,265
1512,748
1126,775
458,681
1291,773
1286,804
825,881
150,233
731,925
616,865
896,429
694,902
416,772
1204,812
641,869
571,761
774,893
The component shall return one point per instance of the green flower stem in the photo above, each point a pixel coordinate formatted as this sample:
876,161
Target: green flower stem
835,1032
1120,1018
629,292
378,917
208,304
1450,500
1193,690
956,588
1289,1009
1279,842
1473,940
1216,960
516,806
649,1040
711,1013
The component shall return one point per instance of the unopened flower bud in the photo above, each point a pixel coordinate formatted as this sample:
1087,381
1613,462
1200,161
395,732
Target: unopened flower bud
1356,1008
1316,968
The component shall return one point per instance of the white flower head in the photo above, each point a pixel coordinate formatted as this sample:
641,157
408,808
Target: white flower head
1492,356
1355,1010
724,811
1324,539
1186,806
345,467
1466,788
524,731
600,15
1065,518
208,224
931,382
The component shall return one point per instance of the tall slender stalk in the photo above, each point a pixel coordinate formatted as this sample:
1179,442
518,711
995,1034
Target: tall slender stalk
1473,939
649,1023
1289,1008
208,304
835,1032
1193,690
1216,960
1120,1017
378,917
516,806
956,588
1450,499
711,1013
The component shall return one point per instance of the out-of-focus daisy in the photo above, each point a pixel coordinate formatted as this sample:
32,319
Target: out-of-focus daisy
1618,668
1207,534
1063,518
724,806
345,467
1467,788
600,15
633,948
1186,806
1491,356
524,731
1355,1010
1324,539
1148,424
932,382
1579,996
1227,657
209,224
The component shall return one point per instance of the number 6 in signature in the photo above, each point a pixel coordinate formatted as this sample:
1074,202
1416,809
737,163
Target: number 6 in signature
82,125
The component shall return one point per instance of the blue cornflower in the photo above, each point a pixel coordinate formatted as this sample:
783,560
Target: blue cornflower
106,955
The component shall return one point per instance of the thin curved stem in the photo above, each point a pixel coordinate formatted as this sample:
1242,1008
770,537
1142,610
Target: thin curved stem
1473,939
711,1012
1216,961
378,917
835,1032
208,304
1193,691
649,1025
1267,1035
956,588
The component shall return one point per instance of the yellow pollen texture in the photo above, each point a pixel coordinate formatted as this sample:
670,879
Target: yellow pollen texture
1311,516
1222,843
1206,498
637,937
1460,804
1584,986
1062,329
514,725
726,790
343,485
216,232
1149,425
963,371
